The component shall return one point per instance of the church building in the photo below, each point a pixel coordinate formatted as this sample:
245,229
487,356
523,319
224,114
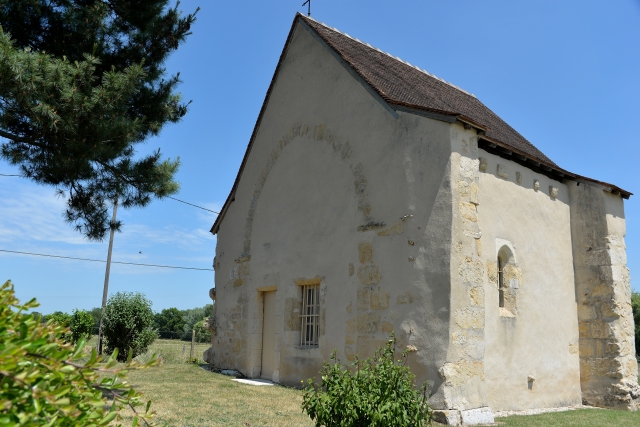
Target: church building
376,198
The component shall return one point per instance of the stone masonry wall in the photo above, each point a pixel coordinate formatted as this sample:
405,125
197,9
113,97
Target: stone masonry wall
463,374
608,368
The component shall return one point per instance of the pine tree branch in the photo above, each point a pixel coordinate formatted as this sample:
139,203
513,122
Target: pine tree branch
13,137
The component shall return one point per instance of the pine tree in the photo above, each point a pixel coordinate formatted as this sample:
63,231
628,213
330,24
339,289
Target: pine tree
81,83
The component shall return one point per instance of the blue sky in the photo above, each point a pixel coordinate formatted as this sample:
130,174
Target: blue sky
564,74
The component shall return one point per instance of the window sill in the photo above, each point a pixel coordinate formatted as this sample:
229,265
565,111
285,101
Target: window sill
306,347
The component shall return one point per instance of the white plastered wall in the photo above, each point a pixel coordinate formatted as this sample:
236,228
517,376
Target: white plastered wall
327,160
541,341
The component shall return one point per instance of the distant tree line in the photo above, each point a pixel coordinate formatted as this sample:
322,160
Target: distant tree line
170,323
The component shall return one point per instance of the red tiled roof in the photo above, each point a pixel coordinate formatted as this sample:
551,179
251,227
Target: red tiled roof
400,83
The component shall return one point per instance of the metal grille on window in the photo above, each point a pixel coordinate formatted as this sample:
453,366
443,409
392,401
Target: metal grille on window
310,316
500,283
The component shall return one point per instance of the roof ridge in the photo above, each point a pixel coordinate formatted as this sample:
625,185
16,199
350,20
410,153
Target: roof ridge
387,54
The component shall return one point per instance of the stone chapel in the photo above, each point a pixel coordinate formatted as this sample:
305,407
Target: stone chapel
374,198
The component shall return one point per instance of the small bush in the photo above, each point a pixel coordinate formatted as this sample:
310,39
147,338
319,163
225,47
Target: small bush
61,319
202,334
81,325
127,324
44,381
377,392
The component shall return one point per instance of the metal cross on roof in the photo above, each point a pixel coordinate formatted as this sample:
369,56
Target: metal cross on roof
308,3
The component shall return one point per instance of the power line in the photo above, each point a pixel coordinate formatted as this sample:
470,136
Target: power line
100,260
200,207
177,200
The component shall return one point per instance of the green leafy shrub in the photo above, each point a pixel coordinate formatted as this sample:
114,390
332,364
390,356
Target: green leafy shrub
43,381
202,334
376,392
81,325
127,324
635,304
193,316
62,319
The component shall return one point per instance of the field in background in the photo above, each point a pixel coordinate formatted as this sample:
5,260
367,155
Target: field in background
171,351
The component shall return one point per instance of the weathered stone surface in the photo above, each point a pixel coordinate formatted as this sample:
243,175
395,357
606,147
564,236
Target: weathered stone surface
469,317
365,252
503,171
405,298
369,275
379,300
368,323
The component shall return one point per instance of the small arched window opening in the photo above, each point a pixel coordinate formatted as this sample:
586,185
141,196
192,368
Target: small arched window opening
500,282
507,281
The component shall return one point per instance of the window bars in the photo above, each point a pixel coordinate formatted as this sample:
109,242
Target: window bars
500,283
310,316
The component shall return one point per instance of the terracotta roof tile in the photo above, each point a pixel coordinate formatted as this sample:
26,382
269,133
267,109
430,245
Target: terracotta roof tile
401,83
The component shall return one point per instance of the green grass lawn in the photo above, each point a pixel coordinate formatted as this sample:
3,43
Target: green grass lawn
582,417
185,395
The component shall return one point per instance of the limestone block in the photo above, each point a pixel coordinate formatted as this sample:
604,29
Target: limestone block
458,373
468,167
292,314
477,296
518,177
368,323
471,271
351,269
243,269
473,193
405,298
379,300
351,326
212,293
237,283
482,164
553,191
492,272
536,184
468,211
369,275
470,317
365,252
600,329
363,299
349,340
587,347
586,312
477,416
387,327
503,171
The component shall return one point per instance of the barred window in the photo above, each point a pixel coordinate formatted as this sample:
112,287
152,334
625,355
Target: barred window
310,315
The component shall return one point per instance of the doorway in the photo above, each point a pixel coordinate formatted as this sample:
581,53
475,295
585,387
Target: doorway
268,334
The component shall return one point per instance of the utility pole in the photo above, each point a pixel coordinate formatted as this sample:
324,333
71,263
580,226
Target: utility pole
105,291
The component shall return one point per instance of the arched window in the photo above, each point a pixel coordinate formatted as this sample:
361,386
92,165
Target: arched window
507,281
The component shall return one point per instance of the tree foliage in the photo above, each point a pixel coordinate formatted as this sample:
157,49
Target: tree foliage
376,392
202,334
62,319
169,319
635,304
82,83
43,381
81,325
193,316
127,324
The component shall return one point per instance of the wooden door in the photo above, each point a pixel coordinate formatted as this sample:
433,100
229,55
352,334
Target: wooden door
268,335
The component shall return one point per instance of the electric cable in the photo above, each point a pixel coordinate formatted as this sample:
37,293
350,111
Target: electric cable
100,260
